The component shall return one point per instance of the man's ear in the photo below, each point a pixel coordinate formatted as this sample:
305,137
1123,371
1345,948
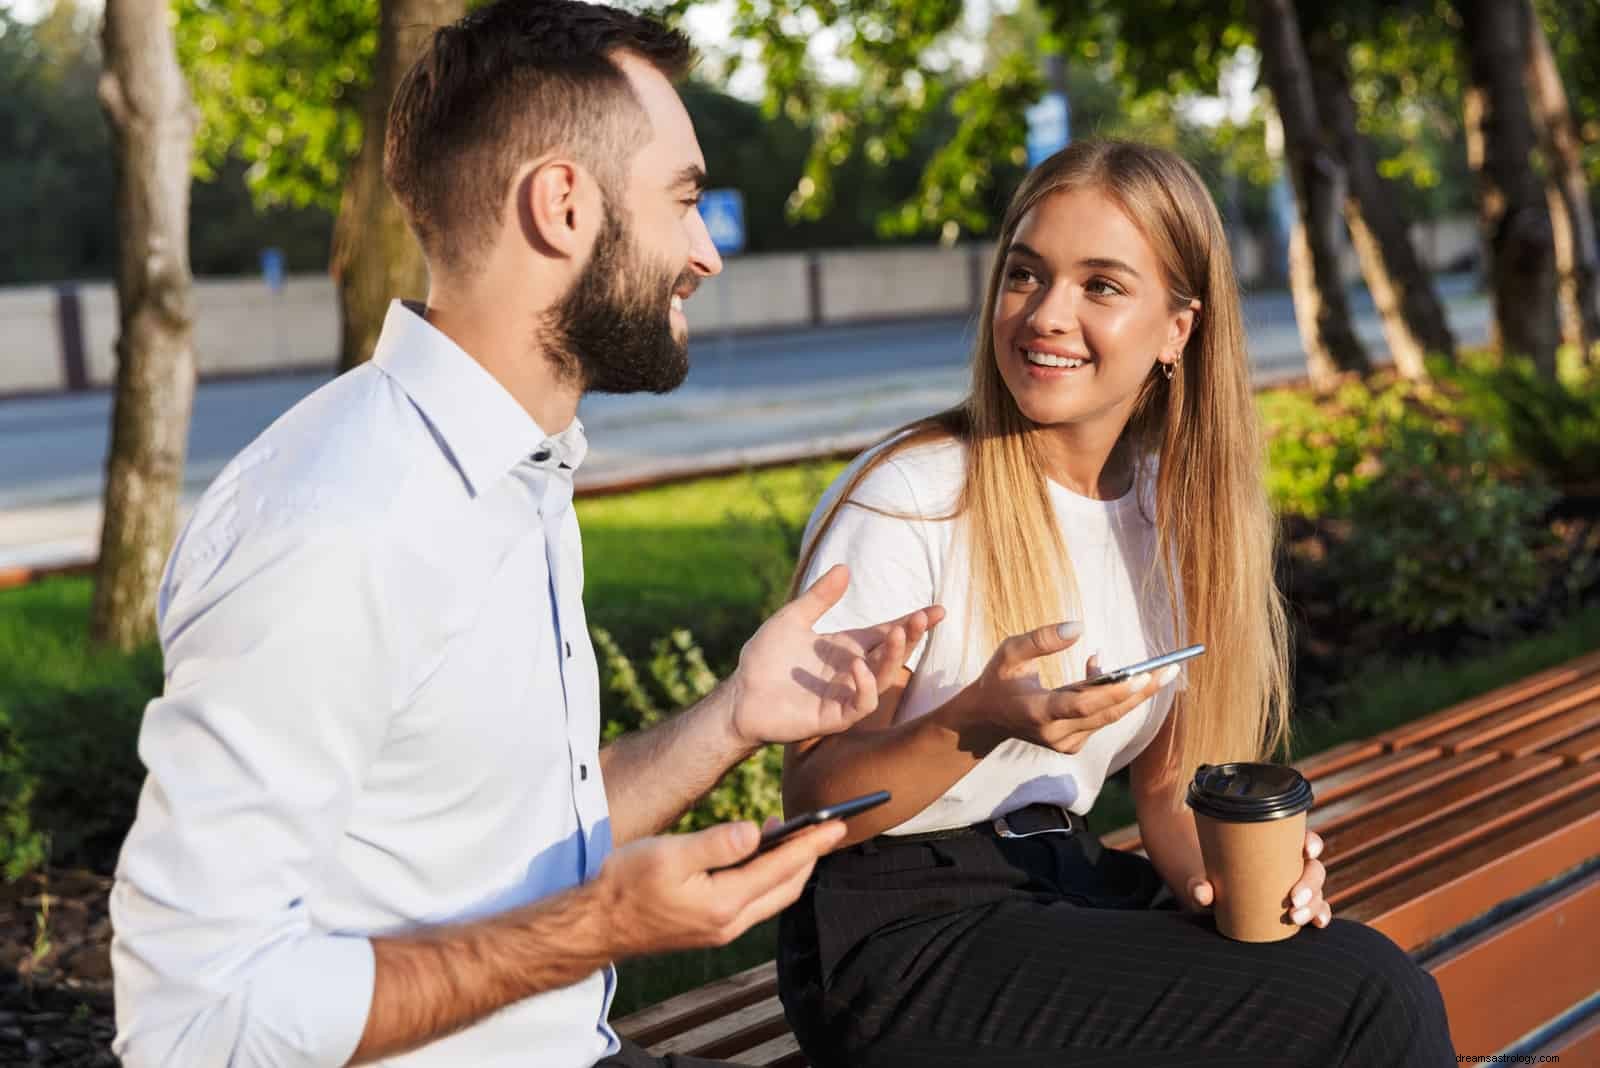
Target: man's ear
552,208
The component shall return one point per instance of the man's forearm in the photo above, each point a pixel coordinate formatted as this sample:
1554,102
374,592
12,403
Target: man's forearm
439,980
652,776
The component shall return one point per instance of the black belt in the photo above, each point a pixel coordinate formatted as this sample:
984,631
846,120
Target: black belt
1026,822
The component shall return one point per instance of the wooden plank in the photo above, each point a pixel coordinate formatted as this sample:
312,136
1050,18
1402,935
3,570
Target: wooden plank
1428,837
1435,769
1522,973
1419,908
1580,1045
729,1033
1579,749
1540,736
1424,730
1484,730
1338,758
780,1052
692,1008
1459,807
1126,838
1349,780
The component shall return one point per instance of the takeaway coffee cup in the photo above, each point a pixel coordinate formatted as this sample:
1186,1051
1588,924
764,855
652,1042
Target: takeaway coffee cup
1252,824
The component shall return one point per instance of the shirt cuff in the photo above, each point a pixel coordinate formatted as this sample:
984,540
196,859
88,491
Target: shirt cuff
316,997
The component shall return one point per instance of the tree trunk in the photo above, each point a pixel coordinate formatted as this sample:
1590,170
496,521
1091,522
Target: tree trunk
1321,310
1414,323
375,256
1571,214
152,120
1511,200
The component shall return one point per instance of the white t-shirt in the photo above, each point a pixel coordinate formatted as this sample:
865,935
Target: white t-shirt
898,565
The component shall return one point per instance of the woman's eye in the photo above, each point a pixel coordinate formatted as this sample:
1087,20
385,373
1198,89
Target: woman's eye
1020,275
1102,287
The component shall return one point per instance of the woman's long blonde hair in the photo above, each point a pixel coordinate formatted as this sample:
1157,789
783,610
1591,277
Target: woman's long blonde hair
1216,534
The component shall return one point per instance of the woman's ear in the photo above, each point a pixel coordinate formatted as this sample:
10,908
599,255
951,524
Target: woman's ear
1182,326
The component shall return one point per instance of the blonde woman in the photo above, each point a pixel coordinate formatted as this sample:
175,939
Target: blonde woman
1097,500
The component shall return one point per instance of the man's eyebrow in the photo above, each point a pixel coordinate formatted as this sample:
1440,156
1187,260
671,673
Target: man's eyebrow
693,176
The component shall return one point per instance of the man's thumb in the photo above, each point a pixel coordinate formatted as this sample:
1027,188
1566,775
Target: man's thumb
724,845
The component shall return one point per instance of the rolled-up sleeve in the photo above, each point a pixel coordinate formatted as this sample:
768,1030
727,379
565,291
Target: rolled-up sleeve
278,692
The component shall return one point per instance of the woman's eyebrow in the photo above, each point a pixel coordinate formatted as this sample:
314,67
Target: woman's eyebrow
1098,263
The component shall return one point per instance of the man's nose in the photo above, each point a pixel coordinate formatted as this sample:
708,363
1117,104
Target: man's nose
703,255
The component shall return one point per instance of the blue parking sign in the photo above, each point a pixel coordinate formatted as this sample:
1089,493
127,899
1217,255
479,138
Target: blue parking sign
1049,127
272,268
723,212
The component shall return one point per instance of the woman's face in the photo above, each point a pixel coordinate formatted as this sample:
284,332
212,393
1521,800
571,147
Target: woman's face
1083,313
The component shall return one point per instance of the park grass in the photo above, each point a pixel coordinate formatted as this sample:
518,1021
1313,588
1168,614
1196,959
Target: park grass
711,555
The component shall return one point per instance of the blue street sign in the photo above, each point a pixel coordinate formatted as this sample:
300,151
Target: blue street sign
1049,127
272,268
723,211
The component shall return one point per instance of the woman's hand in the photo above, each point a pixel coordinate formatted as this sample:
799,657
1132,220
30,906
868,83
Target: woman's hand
1306,903
1009,701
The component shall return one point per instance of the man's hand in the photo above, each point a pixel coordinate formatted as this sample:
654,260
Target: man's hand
663,894
793,684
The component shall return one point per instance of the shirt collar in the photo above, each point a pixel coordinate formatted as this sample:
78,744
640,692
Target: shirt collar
483,428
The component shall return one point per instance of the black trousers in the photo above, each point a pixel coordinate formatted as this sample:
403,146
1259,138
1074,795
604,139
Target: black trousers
1054,951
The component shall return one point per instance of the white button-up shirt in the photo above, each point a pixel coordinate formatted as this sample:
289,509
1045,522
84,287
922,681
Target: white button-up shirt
381,711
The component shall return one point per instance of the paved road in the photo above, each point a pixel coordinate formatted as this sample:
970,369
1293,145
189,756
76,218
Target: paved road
746,399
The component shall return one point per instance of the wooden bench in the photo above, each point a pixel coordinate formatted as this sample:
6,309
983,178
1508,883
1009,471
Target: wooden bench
1471,837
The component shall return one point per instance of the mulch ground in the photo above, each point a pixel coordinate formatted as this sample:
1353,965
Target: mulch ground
55,971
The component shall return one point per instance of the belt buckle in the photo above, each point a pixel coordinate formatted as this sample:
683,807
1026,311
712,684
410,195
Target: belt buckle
1003,828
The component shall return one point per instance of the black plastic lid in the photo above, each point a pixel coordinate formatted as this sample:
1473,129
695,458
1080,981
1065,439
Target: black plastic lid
1249,793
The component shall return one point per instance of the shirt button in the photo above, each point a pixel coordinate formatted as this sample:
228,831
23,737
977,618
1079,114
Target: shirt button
541,456
583,772
569,650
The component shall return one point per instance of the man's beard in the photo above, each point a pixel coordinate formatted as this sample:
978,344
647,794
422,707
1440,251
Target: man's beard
613,330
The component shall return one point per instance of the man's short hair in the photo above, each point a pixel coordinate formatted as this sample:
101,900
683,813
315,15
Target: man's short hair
510,82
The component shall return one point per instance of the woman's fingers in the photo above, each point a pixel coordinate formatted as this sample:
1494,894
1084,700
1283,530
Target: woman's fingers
1018,652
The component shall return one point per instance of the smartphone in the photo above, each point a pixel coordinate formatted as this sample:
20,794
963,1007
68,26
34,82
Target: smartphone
1123,674
771,839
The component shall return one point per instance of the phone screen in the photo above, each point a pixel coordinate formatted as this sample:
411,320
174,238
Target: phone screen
1155,663
843,810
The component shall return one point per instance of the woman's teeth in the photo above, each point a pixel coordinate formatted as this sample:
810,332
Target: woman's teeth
1045,359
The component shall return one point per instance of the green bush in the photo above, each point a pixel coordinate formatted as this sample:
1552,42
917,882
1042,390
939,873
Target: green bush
1551,425
676,677
1437,539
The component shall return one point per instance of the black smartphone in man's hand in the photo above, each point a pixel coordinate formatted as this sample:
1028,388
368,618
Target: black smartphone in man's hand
775,836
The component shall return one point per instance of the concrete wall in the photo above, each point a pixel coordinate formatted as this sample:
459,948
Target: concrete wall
241,327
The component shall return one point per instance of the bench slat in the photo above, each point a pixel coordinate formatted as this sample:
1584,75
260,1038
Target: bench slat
1540,736
1387,793
1580,748
1484,731
1339,757
780,1052
1581,1045
694,1007
730,1033
1420,816
1357,777
1467,883
1536,955
1429,727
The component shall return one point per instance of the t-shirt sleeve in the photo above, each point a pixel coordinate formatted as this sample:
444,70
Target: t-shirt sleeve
882,534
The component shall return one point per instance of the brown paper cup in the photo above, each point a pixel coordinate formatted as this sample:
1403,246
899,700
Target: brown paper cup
1252,868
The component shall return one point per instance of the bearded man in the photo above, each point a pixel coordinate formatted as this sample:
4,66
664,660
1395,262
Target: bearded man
378,824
